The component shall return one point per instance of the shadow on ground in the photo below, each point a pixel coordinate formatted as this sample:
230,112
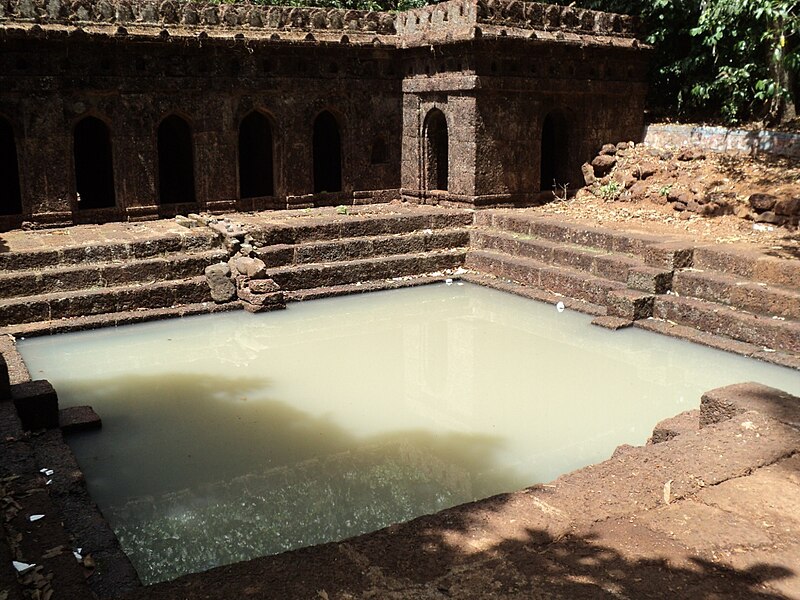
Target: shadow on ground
425,560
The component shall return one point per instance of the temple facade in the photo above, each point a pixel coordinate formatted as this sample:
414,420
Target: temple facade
135,109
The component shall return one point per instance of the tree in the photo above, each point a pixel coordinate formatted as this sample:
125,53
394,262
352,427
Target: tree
728,60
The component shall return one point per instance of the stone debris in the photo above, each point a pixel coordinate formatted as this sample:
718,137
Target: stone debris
692,183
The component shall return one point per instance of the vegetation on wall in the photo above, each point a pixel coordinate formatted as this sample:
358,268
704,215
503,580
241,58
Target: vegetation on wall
725,60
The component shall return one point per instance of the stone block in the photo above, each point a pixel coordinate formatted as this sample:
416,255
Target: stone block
650,279
686,422
78,418
630,304
271,299
612,323
726,402
36,403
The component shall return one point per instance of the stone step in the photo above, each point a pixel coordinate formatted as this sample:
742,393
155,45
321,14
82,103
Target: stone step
531,293
88,275
355,248
749,264
366,286
653,250
193,240
115,319
313,229
558,230
598,262
759,298
79,303
316,275
718,319
561,280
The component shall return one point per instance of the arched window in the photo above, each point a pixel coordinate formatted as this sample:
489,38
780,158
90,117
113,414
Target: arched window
436,155
255,156
175,161
327,154
94,167
10,196
554,169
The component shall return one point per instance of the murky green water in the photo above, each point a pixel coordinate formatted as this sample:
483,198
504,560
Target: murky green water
235,435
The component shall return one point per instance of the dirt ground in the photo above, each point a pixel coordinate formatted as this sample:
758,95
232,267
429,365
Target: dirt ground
647,209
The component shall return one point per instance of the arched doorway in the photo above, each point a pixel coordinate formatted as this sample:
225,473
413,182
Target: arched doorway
554,168
175,161
10,194
436,152
94,167
255,157
327,154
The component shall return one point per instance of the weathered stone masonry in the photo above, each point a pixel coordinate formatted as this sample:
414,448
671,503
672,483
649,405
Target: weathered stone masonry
133,110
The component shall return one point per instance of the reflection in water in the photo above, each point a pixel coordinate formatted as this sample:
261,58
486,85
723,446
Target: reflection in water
235,435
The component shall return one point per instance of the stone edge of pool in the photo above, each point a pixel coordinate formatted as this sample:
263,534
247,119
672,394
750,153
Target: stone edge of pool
433,556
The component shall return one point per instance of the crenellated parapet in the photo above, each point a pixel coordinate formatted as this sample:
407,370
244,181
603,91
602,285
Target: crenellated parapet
437,23
464,19
207,15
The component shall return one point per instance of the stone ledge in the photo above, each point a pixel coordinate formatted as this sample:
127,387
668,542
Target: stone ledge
724,403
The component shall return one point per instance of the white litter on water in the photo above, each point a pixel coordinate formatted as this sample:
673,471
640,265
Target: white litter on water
33,518
49,472
560,306
448,281
21,567
48,482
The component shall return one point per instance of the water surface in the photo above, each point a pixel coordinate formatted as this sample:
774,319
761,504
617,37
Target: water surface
234,435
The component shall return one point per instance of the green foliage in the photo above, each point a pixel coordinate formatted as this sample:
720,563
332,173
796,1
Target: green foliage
727,60
610,191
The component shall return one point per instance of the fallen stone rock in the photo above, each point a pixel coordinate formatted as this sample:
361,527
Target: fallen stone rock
625,179
771,218
787,207
603,164
762,202
688,154
218,276
639,189
645,170
608,150
263,286
588,174
254,268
